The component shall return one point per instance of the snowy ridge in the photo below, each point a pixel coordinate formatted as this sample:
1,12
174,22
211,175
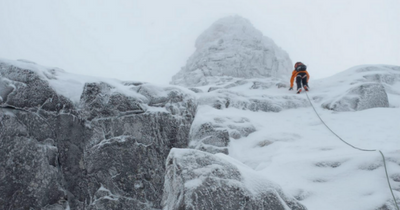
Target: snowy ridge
150,97
67,84
292,148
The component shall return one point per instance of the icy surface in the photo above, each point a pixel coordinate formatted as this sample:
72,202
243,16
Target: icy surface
232,48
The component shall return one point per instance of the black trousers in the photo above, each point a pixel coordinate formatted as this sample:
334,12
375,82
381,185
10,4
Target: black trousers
301,78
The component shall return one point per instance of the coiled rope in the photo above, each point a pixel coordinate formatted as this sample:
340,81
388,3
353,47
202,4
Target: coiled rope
366,150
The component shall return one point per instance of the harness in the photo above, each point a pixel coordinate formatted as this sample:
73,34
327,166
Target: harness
301,74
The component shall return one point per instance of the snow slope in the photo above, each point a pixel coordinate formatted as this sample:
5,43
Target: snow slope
294,149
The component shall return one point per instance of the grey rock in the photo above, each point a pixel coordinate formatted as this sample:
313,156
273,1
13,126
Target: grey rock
213,88
126,155
209,137
200,180
99,100
389,205
175,100
103,153
396,177
365,96
29,174
25,89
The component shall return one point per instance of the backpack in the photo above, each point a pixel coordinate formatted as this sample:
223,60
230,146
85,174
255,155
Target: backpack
301,68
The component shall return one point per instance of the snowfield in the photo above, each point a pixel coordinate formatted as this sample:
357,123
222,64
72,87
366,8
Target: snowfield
294,149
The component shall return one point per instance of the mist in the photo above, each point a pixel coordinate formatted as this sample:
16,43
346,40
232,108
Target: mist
151,40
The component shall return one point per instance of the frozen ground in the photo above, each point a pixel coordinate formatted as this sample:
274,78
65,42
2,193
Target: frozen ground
294,149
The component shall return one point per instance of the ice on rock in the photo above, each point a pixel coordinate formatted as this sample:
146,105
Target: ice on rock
232,47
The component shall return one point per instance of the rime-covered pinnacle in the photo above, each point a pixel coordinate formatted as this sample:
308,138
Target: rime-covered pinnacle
232,47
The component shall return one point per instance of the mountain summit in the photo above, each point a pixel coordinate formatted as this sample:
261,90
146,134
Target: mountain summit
232,47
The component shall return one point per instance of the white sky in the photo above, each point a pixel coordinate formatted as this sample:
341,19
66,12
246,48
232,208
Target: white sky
151,40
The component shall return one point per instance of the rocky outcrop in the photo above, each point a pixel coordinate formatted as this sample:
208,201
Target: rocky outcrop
362,97
225,98
101,100
209,137
232,48
213,133
126,155
106,151
200,180
363,87
25,89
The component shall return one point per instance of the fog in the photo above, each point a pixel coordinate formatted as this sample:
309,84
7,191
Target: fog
151,40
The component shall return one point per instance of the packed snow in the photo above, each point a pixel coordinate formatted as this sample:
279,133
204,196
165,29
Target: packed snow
295,150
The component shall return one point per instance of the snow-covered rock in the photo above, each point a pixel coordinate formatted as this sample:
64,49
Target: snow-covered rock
212,132
99,100
232,48
199,180
362,97
74,142
209,137
360,88
25,89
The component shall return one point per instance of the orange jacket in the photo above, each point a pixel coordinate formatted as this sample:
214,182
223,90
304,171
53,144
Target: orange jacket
294,75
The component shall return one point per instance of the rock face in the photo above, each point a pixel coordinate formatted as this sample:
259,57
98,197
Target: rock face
200,180
33,92
106,151
232,47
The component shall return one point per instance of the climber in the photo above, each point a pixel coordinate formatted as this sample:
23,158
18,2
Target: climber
301,75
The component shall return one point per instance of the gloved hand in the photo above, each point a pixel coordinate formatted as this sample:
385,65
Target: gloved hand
291,88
